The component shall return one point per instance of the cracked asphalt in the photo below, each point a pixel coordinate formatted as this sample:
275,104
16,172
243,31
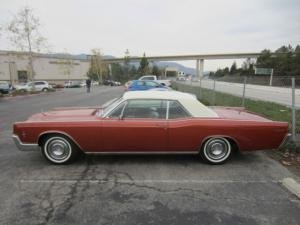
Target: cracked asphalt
134,189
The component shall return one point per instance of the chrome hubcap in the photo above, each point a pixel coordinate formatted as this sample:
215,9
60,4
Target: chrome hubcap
58,149
216,149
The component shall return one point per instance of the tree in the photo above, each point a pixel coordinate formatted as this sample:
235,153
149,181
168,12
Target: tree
155,70
24,31
97,66
117,72
144,65
66,64
233,68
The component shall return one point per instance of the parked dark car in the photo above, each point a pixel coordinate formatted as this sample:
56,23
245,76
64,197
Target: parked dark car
111,83
4,87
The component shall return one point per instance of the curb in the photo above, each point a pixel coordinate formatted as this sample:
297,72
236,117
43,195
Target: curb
292,185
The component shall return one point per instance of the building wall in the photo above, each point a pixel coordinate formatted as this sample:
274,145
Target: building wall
50,69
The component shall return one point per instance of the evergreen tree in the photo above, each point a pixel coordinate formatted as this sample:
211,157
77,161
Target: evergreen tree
155,70
233,68
144,65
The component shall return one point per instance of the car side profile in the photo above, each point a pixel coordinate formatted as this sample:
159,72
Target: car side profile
39,86
5,87
148,122
142,85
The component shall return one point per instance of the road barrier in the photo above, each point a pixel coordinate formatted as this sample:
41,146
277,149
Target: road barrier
278,102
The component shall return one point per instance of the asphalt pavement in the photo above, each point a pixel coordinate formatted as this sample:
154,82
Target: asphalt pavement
132,189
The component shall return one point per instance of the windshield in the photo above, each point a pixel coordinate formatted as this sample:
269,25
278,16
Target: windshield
110,105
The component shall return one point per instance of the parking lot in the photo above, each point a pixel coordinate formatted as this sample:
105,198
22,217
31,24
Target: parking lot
134,189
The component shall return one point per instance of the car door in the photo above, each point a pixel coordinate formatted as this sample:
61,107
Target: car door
137,125
183,134
38,85
141,86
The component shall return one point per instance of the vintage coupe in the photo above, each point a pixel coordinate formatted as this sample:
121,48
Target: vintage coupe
148,122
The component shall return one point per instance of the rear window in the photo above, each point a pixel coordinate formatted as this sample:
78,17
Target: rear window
177,111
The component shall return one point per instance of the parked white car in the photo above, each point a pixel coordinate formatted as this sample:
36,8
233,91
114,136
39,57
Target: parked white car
39,86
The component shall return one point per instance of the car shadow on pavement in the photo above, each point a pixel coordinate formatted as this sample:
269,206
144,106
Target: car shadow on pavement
180,159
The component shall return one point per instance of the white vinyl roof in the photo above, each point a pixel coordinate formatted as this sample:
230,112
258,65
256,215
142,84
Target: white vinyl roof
189,101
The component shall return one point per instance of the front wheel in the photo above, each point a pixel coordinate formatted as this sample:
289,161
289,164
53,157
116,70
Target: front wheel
59,149
216,150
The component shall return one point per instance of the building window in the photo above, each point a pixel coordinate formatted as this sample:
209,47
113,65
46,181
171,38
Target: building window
22,76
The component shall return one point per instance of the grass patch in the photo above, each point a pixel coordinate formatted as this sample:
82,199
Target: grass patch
270,110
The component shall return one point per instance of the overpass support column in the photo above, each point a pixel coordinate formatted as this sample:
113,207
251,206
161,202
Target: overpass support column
197,67
201,68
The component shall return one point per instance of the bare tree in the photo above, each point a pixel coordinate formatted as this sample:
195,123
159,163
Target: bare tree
24,33
66,64
97,65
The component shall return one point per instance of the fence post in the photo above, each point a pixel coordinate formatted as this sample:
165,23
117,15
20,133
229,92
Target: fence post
293,111
244,91
214,94
200,83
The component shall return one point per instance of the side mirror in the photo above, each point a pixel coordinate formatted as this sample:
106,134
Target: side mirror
121,117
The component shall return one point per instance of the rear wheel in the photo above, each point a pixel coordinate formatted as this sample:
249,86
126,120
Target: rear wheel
59,149
45,89
216,150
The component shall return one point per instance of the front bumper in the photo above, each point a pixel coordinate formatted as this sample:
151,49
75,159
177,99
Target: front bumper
24,146
286,140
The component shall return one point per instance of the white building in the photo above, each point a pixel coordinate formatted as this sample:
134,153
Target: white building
14,67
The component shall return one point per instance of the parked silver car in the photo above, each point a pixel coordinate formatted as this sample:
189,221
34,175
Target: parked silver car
39,86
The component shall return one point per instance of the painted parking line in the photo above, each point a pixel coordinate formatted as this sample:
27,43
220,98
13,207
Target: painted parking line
292,185
146,181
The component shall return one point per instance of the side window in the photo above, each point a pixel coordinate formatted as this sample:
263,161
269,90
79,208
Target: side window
176,110
145,108
148,78
117,111
39,83
151,84
140,83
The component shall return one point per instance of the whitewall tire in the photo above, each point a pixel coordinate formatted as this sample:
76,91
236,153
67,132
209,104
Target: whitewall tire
216,150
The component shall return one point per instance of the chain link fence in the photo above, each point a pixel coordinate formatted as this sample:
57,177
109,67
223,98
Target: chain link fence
278,101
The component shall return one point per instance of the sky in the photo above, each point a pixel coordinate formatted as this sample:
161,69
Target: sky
162,27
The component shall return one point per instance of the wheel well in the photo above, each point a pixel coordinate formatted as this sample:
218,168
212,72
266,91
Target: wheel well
233,143
43,137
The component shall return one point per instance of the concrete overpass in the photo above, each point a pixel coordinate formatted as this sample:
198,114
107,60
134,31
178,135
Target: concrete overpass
198,58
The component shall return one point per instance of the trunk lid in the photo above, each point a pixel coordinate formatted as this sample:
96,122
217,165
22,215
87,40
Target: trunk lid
65,114
238,113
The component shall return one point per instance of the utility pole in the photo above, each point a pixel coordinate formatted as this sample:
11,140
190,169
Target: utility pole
10,65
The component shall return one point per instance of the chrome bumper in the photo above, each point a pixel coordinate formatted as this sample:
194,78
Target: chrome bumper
286,140
24,146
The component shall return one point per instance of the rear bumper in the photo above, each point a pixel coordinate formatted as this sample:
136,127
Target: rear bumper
286,140
24,146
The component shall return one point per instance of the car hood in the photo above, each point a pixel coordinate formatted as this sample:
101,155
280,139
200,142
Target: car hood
238,113
65,114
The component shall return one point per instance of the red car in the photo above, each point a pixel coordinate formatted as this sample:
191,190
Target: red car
152,122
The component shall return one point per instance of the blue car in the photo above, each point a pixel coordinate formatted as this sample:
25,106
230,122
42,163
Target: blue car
142,85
